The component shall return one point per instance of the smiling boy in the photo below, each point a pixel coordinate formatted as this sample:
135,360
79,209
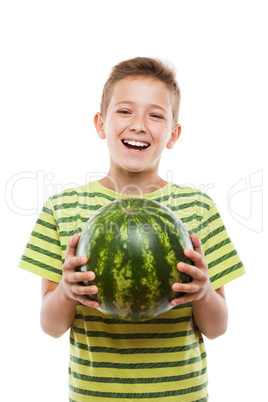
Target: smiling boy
140,112
163,359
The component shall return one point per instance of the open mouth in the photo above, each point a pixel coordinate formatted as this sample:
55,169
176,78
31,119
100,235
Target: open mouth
136,145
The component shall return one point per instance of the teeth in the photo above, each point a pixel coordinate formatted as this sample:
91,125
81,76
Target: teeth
136,143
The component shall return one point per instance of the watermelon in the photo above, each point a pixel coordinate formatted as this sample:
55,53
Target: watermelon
134,245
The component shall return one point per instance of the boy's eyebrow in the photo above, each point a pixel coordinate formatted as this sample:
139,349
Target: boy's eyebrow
132,103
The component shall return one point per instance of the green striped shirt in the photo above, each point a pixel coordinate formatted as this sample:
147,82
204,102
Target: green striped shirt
163,359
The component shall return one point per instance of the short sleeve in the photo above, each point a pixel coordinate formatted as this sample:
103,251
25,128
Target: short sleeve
42,254
223,260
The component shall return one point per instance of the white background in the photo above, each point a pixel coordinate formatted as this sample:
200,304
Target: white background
55,58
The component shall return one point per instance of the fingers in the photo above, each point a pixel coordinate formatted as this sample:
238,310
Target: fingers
197,244
81,276
71,279
192,289
81,293
184,299
185,287
195,272
196,255
75,290
84,290
71,246
87,302
198,272
72,262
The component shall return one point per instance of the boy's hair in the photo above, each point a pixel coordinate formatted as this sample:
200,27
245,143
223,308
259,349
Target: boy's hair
146,67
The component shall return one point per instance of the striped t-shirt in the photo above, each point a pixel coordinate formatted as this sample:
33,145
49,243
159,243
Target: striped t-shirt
162,359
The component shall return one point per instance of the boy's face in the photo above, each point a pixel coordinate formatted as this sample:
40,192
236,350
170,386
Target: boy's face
138,124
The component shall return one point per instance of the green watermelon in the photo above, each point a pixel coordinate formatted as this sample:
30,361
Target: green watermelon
133,245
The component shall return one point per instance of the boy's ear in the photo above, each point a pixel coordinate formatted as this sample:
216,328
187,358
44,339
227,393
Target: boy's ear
99,124
174,137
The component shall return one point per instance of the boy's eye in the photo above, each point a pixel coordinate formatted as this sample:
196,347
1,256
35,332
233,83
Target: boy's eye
157,116
123,111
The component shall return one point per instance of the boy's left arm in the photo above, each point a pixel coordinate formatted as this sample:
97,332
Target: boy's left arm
209,306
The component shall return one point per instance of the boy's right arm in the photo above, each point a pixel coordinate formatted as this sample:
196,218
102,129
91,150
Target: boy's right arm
59,300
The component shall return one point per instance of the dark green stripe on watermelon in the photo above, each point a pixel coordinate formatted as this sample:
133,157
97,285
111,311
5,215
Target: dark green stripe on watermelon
133,246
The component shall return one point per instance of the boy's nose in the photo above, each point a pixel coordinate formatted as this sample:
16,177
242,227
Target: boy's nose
138,127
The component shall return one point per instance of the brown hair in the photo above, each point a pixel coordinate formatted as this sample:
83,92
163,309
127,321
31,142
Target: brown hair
146,67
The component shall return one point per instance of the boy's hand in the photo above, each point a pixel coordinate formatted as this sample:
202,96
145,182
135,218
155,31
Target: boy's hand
70,278
200,287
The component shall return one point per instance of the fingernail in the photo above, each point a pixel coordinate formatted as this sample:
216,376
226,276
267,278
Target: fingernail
83,260
186,251
181,266
93,289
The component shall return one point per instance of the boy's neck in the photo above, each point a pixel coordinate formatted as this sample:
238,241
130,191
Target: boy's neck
133,183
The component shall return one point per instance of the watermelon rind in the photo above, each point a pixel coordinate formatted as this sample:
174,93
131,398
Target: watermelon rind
134,245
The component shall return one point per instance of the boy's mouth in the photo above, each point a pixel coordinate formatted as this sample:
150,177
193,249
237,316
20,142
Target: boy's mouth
135,145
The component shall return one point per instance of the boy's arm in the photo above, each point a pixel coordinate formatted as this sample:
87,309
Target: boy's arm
211,314
209,306
59,300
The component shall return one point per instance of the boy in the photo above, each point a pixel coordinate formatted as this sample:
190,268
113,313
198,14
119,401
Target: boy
162,359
